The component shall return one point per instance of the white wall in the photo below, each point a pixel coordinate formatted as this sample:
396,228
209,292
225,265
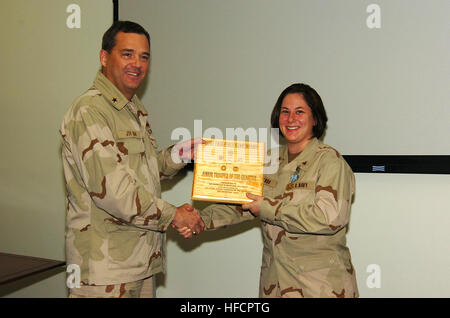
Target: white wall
231,59
214,61
399,223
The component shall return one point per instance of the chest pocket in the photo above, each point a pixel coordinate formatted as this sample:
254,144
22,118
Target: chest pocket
303,190
133,146
270,183
130,142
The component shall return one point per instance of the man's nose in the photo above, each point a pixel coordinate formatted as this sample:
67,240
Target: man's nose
137,62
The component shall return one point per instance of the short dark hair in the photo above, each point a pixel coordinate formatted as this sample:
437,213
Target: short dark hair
109,38
314,102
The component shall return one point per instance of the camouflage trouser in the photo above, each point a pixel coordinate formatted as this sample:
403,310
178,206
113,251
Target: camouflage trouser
139,289
312,286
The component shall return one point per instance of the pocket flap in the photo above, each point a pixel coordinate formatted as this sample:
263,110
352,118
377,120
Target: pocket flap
316,262
270,181
131,146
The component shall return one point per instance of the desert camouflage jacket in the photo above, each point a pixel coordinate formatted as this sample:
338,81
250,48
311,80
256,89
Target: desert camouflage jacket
116,218
304,220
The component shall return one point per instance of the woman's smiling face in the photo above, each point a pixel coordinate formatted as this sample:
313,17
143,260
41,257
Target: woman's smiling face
296,122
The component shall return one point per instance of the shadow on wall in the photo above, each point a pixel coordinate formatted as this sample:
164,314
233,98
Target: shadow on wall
187,245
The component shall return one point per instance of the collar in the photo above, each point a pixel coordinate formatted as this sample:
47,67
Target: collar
304,159
111,92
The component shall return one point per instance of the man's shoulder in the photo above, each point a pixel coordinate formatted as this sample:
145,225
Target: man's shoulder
90,102
90,98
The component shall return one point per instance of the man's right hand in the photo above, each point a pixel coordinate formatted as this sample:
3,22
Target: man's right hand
187,216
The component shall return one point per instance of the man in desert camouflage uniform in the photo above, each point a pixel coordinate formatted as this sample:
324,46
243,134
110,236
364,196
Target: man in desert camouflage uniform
305,207
116,219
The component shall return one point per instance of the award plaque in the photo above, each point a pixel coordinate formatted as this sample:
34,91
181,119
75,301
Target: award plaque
225,170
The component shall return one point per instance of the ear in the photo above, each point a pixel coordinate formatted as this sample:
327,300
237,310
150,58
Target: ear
104,57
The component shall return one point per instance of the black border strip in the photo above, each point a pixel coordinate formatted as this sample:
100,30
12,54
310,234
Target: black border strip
116,10
409,164
393,164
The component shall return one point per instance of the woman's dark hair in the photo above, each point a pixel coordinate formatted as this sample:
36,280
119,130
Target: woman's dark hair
109,38
314,102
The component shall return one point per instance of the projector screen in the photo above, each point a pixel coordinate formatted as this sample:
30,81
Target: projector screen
381,67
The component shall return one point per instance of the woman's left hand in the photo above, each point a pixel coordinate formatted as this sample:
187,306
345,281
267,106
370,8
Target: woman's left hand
255,205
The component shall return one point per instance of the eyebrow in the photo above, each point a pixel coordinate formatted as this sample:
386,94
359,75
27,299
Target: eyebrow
299,107
132,51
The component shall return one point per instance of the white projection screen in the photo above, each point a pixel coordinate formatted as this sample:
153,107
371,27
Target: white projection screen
381,67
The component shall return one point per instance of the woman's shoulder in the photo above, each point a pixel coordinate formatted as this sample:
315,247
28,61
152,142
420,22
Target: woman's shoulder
330,156
328,151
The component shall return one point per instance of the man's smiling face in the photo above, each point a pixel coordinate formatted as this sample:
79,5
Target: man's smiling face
127,64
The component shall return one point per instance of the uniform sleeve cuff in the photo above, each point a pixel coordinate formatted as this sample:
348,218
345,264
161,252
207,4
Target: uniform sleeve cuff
167,214
178,164
206,215
267,211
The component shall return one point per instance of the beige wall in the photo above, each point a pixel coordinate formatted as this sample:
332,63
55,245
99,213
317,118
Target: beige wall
45,65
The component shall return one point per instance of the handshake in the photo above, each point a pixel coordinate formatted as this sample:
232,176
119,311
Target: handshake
187,221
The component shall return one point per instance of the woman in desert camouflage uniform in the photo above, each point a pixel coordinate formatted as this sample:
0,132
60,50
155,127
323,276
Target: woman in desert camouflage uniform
305,209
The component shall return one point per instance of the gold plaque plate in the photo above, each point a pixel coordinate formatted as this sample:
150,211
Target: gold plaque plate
225,170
